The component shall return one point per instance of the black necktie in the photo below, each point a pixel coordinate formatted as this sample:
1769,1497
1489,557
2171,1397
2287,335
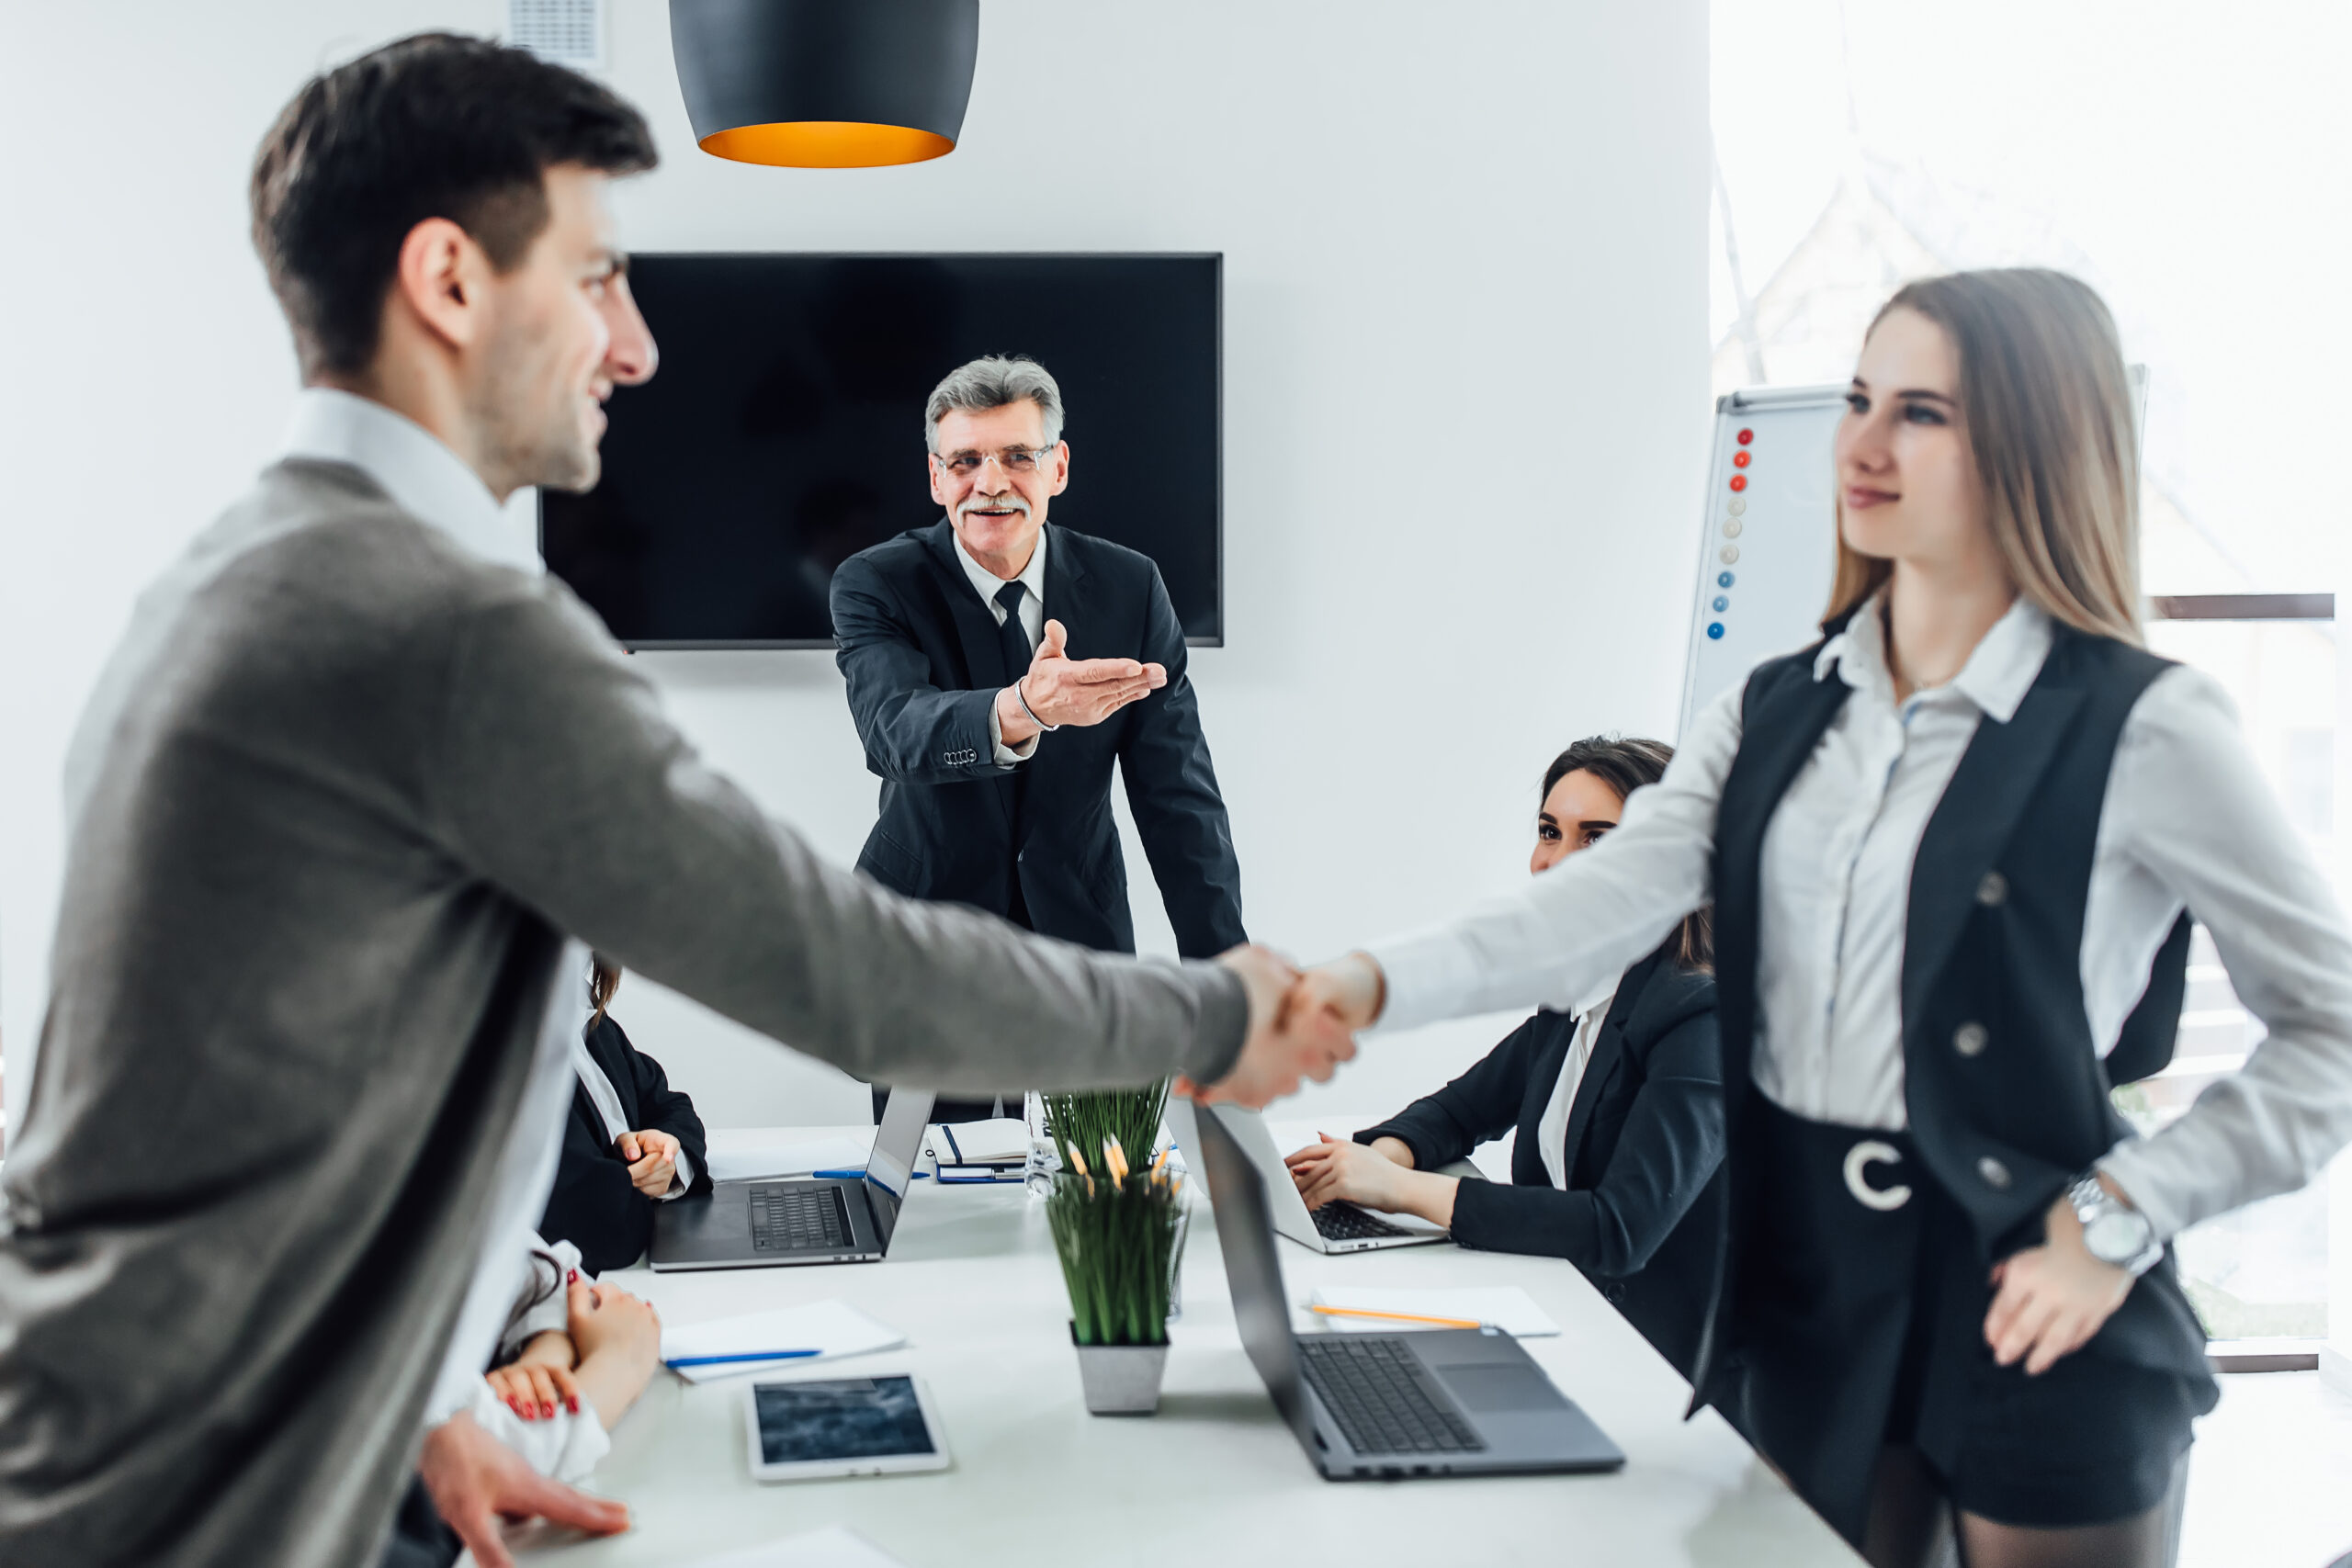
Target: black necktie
1017,654
1017,651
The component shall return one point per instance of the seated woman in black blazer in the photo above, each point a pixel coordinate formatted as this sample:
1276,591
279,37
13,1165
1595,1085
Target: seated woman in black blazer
631,1142
1618,1106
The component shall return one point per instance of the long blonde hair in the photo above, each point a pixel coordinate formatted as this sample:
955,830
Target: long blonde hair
2047,405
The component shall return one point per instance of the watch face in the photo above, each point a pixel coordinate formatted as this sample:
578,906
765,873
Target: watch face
2116,1236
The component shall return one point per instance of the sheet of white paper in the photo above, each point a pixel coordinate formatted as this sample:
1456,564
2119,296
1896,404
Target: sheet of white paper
1508,1307
831,1546
833,1328
787,1155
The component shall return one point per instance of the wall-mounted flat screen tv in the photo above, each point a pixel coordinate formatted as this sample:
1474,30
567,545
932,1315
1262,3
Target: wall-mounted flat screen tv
784,431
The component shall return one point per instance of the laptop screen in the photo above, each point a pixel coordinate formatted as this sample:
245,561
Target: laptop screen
1253,1270
890,1165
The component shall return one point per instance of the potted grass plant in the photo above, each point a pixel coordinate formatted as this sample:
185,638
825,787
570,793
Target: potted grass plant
1118,1229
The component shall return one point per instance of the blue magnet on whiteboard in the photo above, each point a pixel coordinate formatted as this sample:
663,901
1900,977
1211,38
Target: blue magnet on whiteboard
1715,630
1723,580
1722,604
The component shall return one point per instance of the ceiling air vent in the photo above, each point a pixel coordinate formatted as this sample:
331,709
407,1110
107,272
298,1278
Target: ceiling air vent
567,32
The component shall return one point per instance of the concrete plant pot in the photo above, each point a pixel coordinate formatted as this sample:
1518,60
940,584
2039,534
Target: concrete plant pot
1120,1379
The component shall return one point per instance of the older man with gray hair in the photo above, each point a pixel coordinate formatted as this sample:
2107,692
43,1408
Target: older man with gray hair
999,667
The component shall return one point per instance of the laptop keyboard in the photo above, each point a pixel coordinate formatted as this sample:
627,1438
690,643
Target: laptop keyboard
1377,1390
798,1219
1342,1221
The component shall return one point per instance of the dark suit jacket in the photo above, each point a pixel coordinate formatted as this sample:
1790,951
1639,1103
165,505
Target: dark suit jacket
924,662
594,1207
1644,1203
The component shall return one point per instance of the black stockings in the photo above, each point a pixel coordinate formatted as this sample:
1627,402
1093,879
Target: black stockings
1912,1526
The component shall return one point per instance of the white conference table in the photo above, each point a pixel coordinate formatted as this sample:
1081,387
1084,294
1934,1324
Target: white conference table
1216,1478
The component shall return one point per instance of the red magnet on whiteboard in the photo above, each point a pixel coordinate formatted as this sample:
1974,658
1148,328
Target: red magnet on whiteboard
1745,436
1739,459
1739,481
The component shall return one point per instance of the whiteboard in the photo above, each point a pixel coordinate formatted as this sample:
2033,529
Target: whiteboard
1768,530
1768,535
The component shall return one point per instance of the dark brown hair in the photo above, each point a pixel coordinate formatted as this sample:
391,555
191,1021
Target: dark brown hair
434,126
2045,402
604,979
1625,764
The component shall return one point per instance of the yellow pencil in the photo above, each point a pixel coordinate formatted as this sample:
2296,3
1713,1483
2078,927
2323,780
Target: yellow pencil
1396,1316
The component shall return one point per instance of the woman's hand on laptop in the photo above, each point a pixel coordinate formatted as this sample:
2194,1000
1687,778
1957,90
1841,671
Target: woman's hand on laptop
652,1160
1334,1169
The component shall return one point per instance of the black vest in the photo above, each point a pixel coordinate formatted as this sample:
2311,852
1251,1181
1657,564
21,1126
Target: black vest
2007,1097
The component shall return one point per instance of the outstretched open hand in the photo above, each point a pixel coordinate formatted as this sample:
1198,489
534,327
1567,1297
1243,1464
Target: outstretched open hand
1060,690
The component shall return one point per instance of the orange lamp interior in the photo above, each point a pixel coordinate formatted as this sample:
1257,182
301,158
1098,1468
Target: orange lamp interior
826,144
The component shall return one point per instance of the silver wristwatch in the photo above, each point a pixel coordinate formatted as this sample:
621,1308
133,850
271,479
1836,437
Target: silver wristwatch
2114,1231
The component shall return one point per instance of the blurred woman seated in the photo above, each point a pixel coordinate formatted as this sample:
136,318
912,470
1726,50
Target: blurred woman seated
631,1142
574,1358
1618,1106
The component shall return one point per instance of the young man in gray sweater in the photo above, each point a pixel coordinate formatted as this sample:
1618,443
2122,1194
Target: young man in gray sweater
356,775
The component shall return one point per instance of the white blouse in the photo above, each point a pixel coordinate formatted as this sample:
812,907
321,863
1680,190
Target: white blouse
2186,820
1551,1127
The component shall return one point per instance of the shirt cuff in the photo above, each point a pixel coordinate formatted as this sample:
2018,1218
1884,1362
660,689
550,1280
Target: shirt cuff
1008,755
2143,1180
564,1446
683,1177
1423,978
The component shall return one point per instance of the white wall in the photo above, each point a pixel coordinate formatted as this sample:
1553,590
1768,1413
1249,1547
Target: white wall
1466,390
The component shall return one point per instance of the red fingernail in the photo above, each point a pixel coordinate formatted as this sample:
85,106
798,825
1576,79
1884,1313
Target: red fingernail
547,1410
573,1405
571,1276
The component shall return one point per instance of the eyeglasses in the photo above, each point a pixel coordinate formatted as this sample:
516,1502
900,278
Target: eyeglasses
1012,460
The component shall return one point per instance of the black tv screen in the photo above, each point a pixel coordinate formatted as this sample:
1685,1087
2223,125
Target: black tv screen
784,431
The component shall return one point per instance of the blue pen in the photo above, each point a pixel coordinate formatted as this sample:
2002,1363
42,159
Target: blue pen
744,1356
856,1175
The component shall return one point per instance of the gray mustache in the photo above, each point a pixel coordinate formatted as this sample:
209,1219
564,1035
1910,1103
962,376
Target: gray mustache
995,503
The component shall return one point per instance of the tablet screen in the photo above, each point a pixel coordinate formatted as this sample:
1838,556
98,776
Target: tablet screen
844,1418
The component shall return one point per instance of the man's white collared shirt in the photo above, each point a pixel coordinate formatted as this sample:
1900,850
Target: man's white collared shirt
988,585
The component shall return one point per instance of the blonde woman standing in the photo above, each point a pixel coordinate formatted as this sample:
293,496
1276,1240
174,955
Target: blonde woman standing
1946,847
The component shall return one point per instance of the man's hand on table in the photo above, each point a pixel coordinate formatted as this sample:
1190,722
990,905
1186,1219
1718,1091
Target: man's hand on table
476,1481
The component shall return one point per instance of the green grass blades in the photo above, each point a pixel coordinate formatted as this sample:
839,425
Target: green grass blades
1114,1215
1130,1115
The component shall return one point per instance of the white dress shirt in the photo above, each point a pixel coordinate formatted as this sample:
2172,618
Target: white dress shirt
430,483
988,585
2186,819
607,1101
1551,1127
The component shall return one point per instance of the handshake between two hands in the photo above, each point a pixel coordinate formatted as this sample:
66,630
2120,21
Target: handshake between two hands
1303,1023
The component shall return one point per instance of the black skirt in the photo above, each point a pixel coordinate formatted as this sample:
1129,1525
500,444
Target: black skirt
1857,1320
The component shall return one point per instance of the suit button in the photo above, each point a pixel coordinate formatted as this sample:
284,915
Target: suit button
1996,1174
1994,891
1970,1039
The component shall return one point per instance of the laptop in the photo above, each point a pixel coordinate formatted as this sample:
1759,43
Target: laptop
1338,1226
1385,1406
770,1222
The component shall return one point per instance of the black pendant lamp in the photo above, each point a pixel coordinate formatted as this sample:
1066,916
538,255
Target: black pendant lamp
826,83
